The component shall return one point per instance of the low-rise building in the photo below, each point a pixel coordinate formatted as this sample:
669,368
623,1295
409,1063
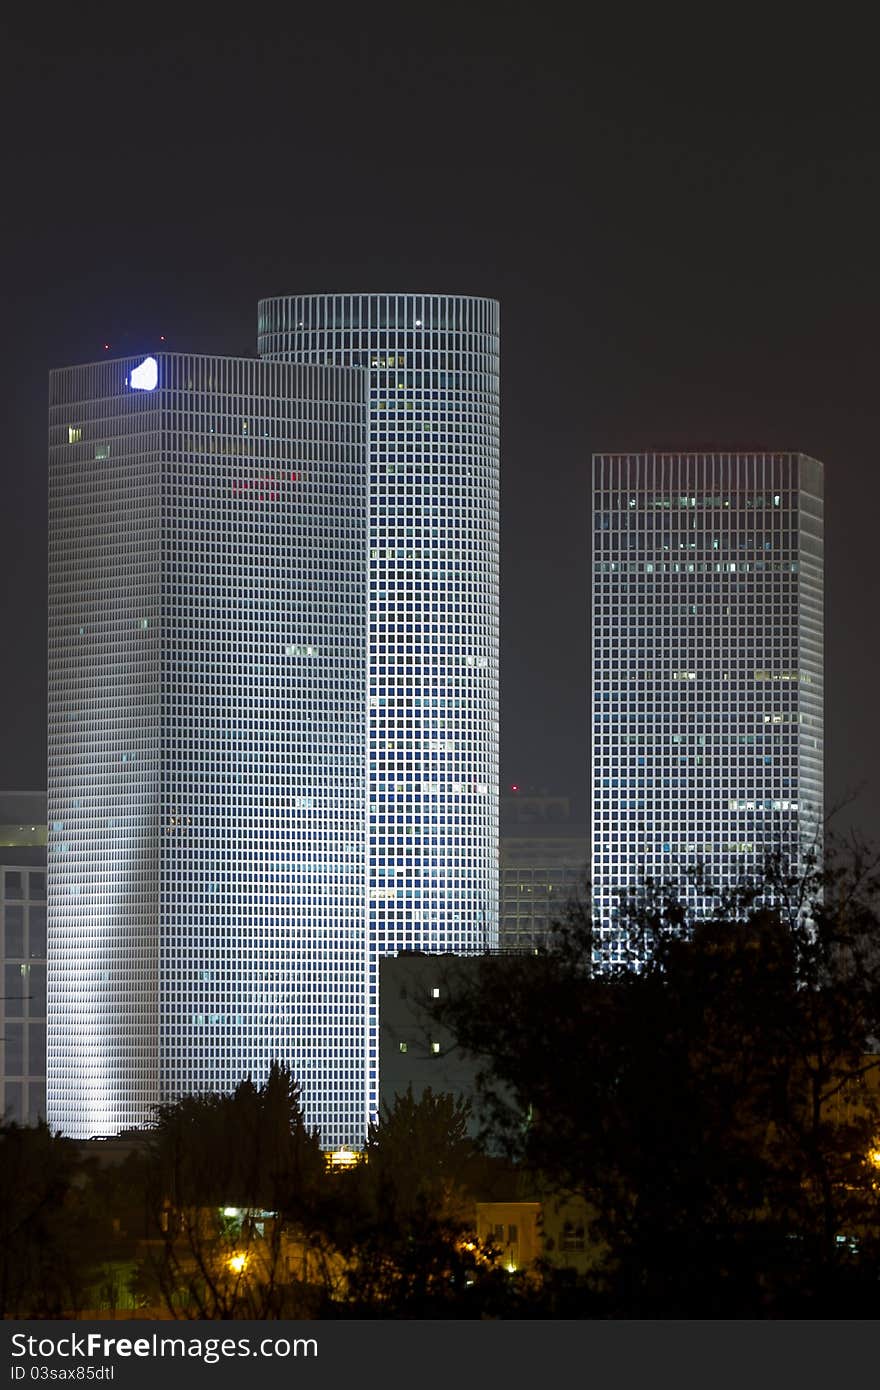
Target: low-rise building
543,858
23,942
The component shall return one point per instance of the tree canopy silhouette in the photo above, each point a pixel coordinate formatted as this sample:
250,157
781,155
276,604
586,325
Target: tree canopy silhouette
713,1098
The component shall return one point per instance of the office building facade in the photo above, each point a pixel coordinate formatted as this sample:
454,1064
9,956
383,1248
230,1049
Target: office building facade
433,392
207,737
23,943
544,857
707,670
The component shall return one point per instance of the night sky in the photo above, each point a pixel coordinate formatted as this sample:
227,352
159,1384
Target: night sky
681,221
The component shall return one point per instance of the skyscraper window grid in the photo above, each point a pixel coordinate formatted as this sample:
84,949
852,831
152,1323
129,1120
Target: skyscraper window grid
432,363
207,738
707,669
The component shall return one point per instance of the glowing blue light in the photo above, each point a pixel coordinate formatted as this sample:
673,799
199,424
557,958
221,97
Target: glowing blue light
146,376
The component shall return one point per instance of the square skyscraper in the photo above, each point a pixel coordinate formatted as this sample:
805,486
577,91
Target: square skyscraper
707,670
207,737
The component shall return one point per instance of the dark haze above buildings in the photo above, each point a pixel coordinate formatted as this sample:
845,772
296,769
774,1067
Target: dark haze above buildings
680,221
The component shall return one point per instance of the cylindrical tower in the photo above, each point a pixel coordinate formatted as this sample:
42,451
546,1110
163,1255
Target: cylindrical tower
433,649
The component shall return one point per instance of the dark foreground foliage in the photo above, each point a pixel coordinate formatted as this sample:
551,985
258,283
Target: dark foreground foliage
713,1096
711,1101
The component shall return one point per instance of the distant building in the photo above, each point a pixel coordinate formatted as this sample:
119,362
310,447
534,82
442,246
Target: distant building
23,941
431,364
707,669
554,1228
543,857
415,1052
513,1229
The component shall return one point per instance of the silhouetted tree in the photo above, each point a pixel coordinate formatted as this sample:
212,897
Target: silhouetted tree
223,1169
712,1098
419,1153
47,1241
404,1219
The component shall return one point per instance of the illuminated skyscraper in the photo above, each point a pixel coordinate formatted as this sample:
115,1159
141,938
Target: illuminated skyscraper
543,863
707,672
433,384
273,678
207,737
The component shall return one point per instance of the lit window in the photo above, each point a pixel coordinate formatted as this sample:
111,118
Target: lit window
572,1237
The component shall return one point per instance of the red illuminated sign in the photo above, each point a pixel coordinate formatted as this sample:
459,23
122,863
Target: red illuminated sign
265,489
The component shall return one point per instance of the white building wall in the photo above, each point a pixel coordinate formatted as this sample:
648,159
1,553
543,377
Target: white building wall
207,738
104,771
433,604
